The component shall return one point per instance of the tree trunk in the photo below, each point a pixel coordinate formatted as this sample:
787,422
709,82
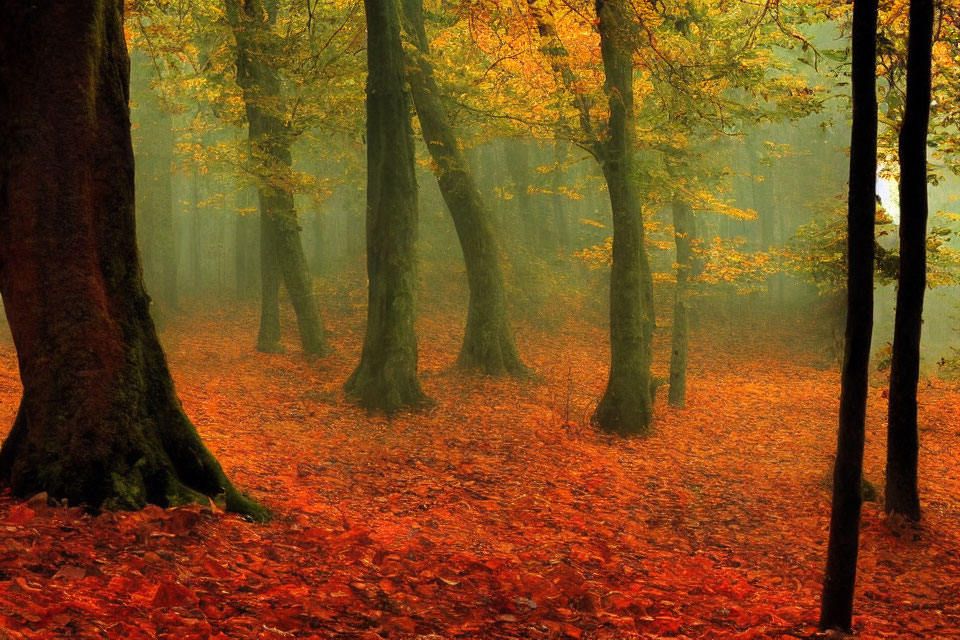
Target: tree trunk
268,336
560,218
386,378
838,584
247,243
281,249
488,343
158,246
99,422
903,442
627,404
682,235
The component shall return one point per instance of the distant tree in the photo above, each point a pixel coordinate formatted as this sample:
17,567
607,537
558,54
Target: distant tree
683,229
900,494
838,585
386,377
488,343
281,249
157,232
99,421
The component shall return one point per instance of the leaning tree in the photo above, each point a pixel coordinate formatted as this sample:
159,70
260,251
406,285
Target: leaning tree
99,422
488,343
836,611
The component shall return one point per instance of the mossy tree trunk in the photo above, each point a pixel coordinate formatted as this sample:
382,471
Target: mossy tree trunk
282,257
680,338
627,405
99,422
488,343
903,441
386,378
836,610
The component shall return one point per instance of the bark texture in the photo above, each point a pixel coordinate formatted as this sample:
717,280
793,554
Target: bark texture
386,378
627,404
488,343
281,250
99,422
836,610
903,442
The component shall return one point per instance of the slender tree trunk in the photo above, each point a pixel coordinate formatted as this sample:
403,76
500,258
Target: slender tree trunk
903,442
560,218
99,422
627,405
518,168
386,378
247,256
196,255
281,251
488,343
682,235
268,336
838,584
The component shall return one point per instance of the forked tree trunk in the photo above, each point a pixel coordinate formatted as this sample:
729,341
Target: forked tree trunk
627,405
99,422
680,339
386,377
488,343
903,441
838,584
281,251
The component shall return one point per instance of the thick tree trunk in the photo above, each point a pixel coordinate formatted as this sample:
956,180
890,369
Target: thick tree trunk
386,377
281,250
488,343
627,404
838,584
99,422
903,442
158,246
682,235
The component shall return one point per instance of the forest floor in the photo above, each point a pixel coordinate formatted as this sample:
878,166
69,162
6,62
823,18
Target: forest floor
496,513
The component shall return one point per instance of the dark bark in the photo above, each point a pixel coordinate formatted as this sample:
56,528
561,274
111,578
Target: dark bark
903,442
99,421
281,251
488,343
386,378
838,584
627,404
682,235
